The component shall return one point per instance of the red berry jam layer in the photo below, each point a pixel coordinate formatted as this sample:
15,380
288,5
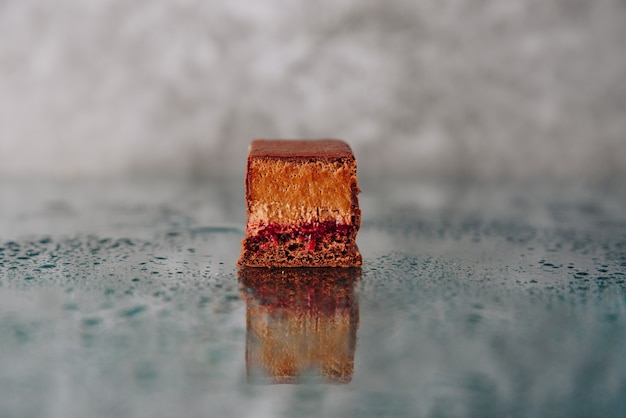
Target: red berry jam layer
306,235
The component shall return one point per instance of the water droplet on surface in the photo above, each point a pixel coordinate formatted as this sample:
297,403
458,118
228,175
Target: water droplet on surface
91,322
133,311
47,266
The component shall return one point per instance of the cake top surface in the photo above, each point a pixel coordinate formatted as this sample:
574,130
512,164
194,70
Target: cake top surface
285,149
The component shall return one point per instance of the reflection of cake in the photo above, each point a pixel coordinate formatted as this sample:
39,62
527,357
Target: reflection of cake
301,324
302,204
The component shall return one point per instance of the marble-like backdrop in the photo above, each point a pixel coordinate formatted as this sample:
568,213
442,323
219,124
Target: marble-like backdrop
451,88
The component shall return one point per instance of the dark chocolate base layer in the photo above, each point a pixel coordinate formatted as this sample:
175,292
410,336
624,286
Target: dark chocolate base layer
295,254
322,244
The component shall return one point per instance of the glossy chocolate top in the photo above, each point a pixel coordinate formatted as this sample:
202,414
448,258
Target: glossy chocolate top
283,149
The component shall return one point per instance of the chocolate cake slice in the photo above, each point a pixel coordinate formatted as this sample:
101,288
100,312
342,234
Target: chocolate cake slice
302,205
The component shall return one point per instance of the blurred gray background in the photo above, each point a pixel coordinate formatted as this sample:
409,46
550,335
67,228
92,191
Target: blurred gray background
434,88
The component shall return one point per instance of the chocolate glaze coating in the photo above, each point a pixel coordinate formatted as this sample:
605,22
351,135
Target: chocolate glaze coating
282,149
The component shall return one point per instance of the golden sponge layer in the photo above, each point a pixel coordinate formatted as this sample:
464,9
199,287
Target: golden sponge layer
284,192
